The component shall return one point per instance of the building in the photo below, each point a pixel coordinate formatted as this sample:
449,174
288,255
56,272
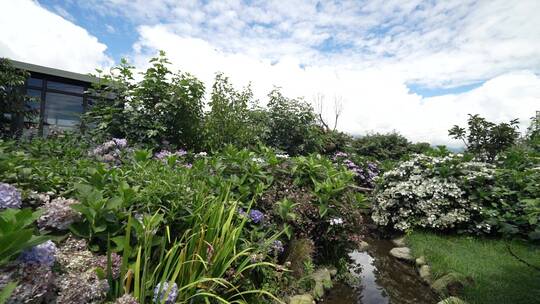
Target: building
60,94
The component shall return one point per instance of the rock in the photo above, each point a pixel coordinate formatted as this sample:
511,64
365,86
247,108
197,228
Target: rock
333,271
421,261
399,242
302,299
452,300
323,280
363,246
402,253
318,290
450,284
425,273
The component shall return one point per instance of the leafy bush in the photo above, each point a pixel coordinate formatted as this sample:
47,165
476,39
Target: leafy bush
390,146
454,193
15,106
486,139
162,107
17,233
292,125
229,120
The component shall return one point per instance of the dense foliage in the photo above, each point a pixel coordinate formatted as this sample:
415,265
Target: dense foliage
486,139
167,109
446,191
161,108
390,146
15,106
203,226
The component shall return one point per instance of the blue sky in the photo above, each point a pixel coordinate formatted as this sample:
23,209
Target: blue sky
410,65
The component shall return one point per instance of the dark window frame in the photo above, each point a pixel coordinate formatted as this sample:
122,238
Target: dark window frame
44,90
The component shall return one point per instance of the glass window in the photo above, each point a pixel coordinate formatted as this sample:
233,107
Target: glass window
35,82
63,110
36,98
35,103
66,87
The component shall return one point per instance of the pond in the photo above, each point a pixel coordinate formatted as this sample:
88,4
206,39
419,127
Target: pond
382,280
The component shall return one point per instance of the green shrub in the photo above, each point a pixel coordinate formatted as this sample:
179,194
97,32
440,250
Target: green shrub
390,146
17,232
485,139
16,107
162,107
292,125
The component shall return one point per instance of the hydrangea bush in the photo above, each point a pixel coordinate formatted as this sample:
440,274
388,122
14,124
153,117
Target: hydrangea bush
110,151
10,197
58,214
364,174
432,192
42,254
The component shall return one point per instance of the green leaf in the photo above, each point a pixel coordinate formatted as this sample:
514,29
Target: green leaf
7,291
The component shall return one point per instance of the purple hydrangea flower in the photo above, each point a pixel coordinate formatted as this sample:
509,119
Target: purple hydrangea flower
42,254
10,197
58,214
241,212
163,154
277,246
340,154
120,142
256,216
161,290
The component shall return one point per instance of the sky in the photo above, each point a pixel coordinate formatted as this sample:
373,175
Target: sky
417,67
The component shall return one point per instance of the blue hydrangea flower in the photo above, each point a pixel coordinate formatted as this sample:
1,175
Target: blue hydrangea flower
10,197
42,254
256,216
161,290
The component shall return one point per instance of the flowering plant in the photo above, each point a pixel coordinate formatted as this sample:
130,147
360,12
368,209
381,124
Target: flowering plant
42,254
10,197
110,151
364,174
432,192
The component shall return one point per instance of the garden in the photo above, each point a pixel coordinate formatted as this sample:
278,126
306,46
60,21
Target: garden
161,197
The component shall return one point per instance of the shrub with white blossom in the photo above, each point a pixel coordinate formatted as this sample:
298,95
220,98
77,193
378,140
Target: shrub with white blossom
432,192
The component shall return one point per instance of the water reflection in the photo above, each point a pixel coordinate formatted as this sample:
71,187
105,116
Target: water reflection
383,280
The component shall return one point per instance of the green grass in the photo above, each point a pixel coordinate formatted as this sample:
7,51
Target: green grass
498,276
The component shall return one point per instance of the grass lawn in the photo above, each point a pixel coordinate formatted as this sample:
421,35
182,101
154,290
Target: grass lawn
499,278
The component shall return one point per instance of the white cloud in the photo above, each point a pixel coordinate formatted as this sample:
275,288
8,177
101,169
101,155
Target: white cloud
374,99
31,33
433,43
364,51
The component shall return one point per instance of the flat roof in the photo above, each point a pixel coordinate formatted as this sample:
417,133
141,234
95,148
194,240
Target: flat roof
52,71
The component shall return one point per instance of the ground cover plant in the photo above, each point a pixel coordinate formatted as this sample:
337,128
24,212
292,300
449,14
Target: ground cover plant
495,275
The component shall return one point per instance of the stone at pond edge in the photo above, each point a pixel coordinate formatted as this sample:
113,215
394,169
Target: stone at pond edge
452,300
399,242
323,280
302,299
420,261
450,284
425,273
402,253
363,246
332,271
